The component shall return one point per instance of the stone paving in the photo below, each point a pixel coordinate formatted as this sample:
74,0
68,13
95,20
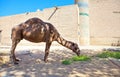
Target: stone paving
32,64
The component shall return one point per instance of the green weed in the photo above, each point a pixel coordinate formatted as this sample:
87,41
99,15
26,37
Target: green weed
67,62
75,58
109,54
81,58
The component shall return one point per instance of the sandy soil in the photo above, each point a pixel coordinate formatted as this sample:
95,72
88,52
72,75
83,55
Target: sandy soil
32,65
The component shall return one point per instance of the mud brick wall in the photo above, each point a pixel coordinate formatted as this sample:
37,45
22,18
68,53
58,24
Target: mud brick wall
64,19
104,22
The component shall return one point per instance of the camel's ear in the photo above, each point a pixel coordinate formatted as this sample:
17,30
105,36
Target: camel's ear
51,32
74,44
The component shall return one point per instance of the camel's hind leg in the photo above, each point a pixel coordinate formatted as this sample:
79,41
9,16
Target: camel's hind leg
16,36
14,44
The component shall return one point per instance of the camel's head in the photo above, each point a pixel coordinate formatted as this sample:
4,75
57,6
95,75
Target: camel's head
75,49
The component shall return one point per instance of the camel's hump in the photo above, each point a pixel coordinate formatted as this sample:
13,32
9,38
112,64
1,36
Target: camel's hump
34,20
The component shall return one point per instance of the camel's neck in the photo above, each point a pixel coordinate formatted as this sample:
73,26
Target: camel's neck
64,42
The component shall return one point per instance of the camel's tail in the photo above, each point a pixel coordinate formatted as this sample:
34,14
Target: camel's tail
16,33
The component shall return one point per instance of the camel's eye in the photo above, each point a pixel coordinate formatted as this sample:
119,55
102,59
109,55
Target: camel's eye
75,48
73,44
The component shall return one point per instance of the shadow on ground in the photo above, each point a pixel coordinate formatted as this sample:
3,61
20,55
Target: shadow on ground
32,65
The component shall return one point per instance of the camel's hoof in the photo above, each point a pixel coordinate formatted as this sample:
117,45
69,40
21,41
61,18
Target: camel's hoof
46,61
17,59
16,63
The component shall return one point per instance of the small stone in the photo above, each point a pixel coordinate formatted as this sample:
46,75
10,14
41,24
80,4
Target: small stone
4,59
38,61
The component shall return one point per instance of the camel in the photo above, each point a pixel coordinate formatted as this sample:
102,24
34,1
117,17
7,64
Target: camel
36,30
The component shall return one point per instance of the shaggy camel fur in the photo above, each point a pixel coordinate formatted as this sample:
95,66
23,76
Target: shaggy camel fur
36,30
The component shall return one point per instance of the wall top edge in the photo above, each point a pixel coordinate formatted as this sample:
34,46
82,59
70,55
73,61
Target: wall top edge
40,11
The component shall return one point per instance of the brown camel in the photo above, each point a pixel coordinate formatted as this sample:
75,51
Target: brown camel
36,30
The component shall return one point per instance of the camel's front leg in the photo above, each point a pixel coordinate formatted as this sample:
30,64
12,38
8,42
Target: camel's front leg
48,44
14,44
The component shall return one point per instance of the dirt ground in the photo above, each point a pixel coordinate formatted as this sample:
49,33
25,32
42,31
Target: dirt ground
32,65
